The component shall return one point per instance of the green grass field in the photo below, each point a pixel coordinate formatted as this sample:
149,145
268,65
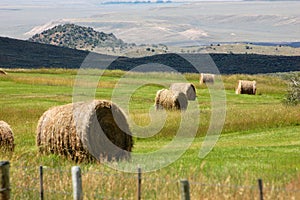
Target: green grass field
260,139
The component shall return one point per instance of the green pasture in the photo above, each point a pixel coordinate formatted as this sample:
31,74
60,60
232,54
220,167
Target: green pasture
260,137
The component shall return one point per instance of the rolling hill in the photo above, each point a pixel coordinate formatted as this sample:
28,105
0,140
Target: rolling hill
77,37
24,54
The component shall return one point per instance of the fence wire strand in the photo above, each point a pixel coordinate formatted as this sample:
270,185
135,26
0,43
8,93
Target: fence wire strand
63,173
224,185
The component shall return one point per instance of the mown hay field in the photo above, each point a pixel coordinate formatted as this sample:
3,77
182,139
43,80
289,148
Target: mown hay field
260,138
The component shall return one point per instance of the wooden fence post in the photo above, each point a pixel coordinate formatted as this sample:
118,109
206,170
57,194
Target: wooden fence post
139,190
260,186
41,183
77,183
185,189
4,180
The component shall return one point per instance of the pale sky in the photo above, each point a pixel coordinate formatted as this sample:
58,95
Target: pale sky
12,2
93,1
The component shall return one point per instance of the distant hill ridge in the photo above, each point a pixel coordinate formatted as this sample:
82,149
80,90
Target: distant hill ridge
77,37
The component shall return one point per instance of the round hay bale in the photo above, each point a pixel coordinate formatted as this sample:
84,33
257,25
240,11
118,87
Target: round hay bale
6,137
85,131
246,87
170,100
187,88
2,72
207,78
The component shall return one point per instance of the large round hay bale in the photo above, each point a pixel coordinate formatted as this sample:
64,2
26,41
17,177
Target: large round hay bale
6,137
187,88
85,131
207,78
2,72
170,100
246,87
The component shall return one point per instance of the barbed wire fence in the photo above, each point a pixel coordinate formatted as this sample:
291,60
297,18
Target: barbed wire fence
42,182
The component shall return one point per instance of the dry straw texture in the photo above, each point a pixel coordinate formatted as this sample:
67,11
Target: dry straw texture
170,100
207,78
2,72
6,137
246,87
187,88
85,131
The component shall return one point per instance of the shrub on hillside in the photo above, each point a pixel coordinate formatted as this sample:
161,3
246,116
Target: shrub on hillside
293,95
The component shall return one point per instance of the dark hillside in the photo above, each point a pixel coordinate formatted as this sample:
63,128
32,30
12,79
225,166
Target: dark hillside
23,54
226,63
